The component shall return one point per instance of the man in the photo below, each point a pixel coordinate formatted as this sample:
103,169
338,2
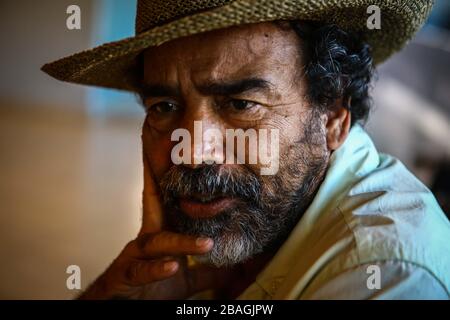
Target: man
334,220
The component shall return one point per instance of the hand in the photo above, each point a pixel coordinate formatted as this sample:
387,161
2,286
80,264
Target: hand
154,265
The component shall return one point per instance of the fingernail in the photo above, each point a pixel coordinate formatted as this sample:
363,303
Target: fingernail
200,242
169,266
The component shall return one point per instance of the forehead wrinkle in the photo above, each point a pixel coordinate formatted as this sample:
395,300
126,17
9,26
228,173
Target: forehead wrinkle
228,56
234,62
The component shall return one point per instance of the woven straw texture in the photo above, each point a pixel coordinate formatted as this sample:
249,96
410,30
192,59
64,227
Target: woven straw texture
114,65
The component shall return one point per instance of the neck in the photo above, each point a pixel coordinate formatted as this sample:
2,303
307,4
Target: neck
243,275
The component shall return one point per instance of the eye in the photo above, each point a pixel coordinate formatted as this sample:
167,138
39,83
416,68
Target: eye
163,115
163,108
241,105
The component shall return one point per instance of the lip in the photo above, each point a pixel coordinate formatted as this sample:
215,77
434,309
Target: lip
197,209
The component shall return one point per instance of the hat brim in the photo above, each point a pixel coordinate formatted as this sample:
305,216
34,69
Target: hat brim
114,65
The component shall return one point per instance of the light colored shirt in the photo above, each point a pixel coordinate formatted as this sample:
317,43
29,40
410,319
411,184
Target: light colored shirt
373,231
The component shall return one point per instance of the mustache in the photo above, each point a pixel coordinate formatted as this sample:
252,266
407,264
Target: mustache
210,180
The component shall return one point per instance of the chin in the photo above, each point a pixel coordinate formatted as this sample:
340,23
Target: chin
229,250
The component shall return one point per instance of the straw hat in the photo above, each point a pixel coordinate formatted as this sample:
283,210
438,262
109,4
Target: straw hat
114,65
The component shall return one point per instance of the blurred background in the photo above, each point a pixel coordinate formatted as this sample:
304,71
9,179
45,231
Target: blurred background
70,162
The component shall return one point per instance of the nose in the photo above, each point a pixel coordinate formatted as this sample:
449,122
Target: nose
207,143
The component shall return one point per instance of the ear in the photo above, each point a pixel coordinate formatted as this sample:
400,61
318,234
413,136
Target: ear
338,125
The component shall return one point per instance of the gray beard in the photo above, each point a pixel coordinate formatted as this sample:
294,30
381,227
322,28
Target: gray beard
260,221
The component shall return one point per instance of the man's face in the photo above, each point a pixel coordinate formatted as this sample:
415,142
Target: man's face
246,77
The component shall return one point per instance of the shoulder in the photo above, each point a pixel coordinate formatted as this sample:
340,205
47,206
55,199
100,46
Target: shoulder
370,210
398,227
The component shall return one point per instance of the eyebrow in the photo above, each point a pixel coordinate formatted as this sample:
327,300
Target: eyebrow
212,88
159,90
235,87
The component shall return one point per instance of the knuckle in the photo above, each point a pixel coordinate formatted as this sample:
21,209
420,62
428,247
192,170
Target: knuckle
131,273
144,240
160,240
170,238
153,242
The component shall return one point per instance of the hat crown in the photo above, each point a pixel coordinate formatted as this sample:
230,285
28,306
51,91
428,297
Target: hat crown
152,13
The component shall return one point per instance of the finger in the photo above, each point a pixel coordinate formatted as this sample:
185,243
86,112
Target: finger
152,215
142,272
172,244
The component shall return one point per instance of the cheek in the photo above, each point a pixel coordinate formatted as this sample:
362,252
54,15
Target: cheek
157,148
289,127
290,137
287,132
